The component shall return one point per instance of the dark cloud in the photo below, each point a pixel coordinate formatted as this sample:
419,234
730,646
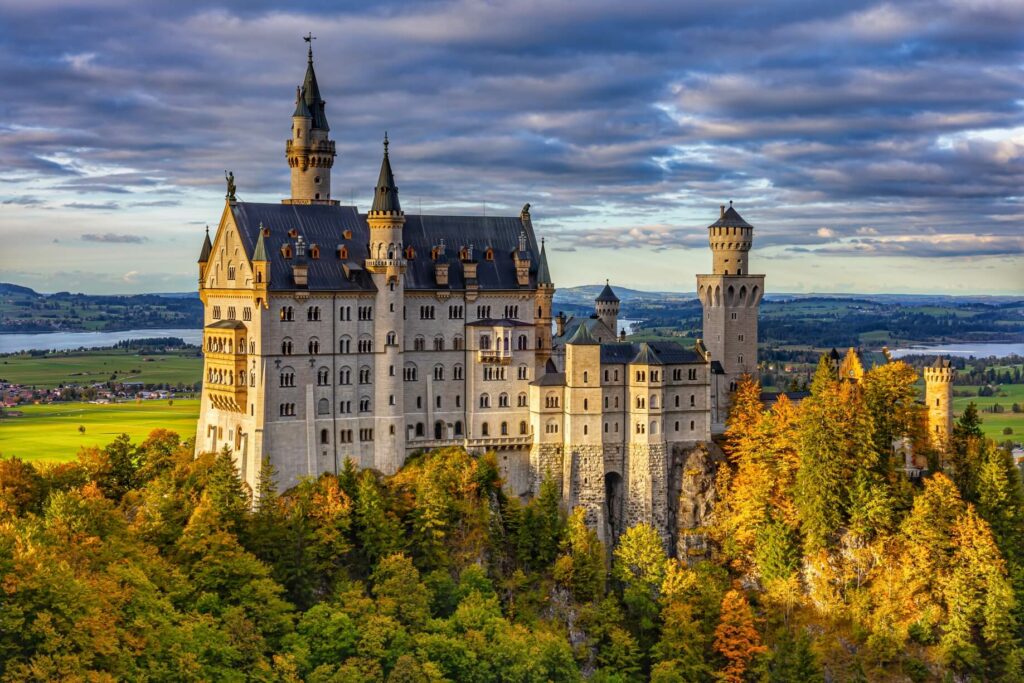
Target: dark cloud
114,238
23,200
879,122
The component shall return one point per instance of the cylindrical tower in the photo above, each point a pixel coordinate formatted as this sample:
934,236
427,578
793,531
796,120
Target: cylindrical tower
606,305
938,392
386,264
731,298
310,151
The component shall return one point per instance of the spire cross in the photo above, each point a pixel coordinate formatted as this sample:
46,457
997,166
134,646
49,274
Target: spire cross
386,143
309,38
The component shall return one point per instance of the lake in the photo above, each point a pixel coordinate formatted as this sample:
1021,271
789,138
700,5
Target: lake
964,350
65,341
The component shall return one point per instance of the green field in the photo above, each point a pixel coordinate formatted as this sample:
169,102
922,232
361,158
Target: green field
88,367
993,423
50,432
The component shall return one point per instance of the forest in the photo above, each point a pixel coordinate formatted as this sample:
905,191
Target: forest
825,562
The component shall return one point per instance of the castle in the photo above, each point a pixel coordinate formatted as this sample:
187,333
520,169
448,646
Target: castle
331,334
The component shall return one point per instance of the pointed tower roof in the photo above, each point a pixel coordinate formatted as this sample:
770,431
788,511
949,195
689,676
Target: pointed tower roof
730,218
385,197
204,255
311,93
646,356
300,104
583,336
607,295
543,274
260,252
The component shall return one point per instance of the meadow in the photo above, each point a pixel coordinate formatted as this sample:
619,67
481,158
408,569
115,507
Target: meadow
993,423
88,367
51,431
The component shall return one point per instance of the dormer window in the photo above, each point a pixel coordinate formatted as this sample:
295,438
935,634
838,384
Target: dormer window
410,253
489,254
314,252
347,234
293,233
286,250
343,252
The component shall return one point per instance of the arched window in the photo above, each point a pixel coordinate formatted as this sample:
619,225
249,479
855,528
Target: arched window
286,347
439,372
323,407
485,430
693,400
391,339
458,428
419,344
522,342
323,376
231,270
344,345
523,428
485,401
419,429
314,346
345,376
521,400
504,428
503,400
324,436
410,373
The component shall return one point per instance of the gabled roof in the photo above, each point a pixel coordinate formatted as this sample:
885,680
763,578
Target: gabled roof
646,356
607,295
583,337
204,254
385,196
730,218
656,353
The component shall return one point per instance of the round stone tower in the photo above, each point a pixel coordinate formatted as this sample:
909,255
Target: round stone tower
938,392
606,305
310,151
731,298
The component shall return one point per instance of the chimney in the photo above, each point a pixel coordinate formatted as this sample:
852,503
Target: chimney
560,324
300,268
721,210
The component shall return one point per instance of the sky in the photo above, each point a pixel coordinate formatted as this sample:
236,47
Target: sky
875,147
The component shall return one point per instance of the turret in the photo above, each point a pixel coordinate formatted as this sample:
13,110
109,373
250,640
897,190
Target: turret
386,264
606,305
310,152
730,238
543,300
261,263
204,256
938,383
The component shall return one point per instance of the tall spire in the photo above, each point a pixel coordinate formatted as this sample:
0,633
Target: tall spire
260,252
311,91
204,255
385,197
543,275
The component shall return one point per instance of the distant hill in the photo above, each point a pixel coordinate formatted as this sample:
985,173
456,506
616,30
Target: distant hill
24,310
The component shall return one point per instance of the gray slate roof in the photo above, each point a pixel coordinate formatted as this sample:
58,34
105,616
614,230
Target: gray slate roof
582,337
656,353
731,219
385,195
324,225
311,91
607,294
204,254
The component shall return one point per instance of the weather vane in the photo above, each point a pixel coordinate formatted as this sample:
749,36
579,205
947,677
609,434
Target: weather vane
309,38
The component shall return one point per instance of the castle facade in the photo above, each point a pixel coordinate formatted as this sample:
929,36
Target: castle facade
332,334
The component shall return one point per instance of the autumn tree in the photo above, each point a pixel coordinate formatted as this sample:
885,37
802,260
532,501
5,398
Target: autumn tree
736,638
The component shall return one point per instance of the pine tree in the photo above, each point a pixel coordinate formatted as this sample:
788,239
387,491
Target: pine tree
379,533
1001,501
791,659
736,637
581,567
226,493
776,553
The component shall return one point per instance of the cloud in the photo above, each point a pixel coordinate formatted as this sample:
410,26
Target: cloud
613,119
92,206
112,238
24,200
130,276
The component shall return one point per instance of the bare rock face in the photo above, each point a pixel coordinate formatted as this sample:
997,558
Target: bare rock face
693,489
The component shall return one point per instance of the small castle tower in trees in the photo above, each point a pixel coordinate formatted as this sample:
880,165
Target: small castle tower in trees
310,152
731,298
938,383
